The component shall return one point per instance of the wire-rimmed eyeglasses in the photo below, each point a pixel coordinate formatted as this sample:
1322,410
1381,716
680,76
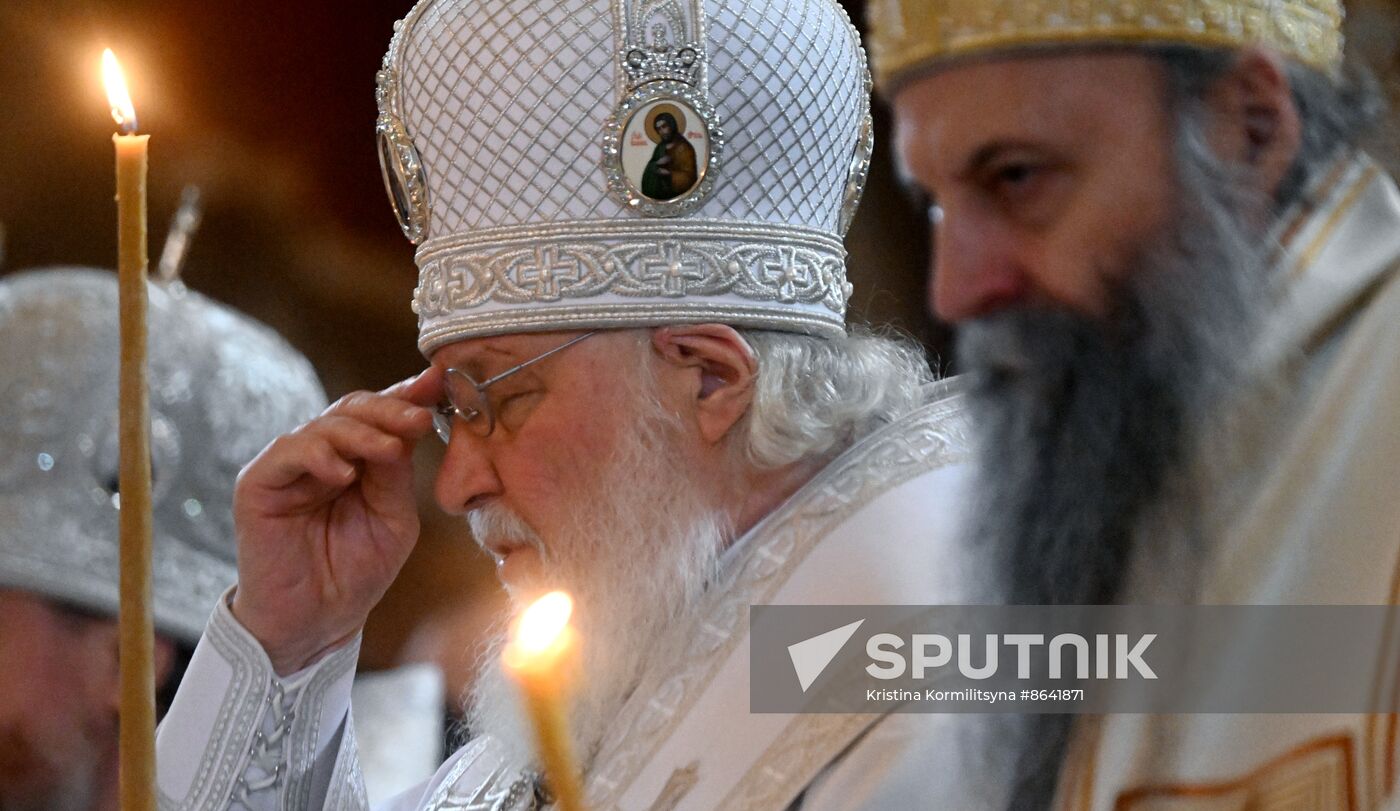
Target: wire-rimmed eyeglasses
467,400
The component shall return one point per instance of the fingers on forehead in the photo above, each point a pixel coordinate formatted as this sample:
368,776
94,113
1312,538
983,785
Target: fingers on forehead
393,414
421,385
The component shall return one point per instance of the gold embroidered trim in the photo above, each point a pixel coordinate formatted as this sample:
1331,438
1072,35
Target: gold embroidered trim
1316,775
1324,234
911,34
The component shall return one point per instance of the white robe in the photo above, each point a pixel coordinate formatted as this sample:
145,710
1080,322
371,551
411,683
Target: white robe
877,525
1316,521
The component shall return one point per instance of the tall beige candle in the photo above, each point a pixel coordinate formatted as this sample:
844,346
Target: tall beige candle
136,631
540,659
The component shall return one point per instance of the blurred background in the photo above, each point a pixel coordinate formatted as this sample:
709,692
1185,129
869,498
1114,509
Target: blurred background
268,107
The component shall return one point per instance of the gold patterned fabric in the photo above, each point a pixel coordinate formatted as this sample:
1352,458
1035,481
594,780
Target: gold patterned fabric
909,35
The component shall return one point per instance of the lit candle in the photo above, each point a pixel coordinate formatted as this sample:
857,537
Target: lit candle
137,636
539,658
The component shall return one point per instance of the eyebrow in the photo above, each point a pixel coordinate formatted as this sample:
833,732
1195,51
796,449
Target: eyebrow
919,195
475,365
989,152
986,154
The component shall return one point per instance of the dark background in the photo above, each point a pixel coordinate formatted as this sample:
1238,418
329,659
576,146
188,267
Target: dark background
269,108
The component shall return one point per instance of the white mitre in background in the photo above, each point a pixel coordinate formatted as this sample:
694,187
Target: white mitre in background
222,387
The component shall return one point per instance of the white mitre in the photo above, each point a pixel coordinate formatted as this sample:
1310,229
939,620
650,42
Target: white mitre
222,387
526,153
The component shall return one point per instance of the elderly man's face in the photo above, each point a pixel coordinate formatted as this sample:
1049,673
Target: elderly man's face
603,477
58,713
559,426
1099,244
1047,173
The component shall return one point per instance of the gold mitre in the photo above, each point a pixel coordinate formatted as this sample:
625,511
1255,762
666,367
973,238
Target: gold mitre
913,34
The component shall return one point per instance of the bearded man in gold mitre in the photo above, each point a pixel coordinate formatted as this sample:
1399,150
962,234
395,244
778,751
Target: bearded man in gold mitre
1173,272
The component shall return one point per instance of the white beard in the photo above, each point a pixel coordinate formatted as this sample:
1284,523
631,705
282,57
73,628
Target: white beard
637,557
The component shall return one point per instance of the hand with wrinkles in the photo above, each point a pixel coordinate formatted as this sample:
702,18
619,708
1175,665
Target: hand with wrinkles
326,516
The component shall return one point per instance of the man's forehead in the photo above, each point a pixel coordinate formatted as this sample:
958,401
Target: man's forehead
495,352
478,352
948,115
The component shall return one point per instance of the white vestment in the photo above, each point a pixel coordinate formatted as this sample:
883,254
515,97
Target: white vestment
399,726
879,525
1316,520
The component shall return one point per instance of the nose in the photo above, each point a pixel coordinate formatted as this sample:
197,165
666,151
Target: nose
975,270
467,475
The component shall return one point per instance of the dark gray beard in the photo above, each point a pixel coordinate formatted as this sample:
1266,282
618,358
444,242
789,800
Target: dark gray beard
1083,422
1087,426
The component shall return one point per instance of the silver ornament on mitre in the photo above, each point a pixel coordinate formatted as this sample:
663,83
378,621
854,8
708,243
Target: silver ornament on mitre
221,387
620,163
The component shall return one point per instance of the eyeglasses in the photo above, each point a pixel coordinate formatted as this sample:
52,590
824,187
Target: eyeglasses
467,400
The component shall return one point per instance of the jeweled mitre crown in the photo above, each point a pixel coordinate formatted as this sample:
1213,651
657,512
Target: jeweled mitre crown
222,387
909,35
614,163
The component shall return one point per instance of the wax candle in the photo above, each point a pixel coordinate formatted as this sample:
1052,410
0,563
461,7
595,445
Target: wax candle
540,659
136,632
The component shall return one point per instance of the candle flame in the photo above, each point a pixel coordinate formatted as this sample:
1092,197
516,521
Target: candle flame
543,622
123,112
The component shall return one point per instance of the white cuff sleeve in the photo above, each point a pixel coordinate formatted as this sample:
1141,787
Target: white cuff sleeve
239,736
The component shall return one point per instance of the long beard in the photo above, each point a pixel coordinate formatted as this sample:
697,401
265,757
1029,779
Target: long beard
641,550
1088,427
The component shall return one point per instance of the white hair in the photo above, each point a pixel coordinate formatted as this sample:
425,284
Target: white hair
815,396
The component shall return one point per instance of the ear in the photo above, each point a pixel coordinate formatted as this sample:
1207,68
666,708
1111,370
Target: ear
1255,122
725,365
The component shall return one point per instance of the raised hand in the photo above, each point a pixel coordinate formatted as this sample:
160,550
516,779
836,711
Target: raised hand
325,518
